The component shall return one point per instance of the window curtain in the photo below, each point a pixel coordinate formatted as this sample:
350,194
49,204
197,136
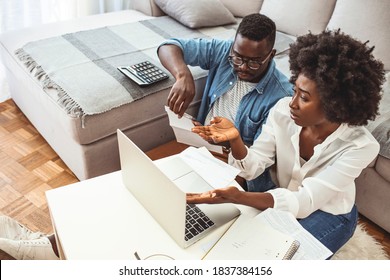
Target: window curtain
53,10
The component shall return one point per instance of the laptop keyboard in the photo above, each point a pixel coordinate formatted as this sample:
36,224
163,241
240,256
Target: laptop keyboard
196,221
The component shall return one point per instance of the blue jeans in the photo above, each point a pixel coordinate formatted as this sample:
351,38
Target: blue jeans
331,230
262,183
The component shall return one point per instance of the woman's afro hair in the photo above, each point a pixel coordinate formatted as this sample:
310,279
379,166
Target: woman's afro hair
348,77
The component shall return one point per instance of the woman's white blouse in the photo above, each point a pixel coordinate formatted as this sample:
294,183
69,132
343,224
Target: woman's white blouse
325,181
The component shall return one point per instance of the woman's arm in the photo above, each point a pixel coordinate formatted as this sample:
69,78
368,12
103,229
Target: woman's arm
257,200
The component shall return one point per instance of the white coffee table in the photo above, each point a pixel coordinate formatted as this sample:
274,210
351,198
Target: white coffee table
99,219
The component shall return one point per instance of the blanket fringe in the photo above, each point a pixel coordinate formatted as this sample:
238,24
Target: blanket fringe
26,58
71,107
40,73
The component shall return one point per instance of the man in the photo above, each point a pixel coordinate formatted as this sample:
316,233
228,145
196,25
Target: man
242,84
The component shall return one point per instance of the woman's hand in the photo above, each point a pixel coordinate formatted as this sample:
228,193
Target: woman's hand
225,195
219,130
257,200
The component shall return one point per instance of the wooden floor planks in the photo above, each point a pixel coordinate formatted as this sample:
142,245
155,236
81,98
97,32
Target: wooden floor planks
29,167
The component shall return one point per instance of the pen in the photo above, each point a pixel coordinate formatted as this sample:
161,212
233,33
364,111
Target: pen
137,256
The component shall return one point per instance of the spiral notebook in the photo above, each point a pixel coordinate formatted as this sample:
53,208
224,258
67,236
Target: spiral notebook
250,238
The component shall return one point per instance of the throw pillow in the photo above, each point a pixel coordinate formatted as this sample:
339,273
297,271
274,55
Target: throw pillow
297,17
243,7
365,21
197,13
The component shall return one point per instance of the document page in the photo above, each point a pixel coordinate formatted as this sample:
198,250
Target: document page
214,171
310,248
251,239
182,129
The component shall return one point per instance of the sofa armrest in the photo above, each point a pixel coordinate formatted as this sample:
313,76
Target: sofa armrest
380,127
148,7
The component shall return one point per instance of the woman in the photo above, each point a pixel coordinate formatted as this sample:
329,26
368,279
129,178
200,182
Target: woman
316,138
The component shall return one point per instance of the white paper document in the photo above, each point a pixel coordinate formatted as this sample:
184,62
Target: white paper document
182,129
214,171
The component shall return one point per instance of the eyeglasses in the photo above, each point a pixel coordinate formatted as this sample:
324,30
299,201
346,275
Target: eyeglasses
252,64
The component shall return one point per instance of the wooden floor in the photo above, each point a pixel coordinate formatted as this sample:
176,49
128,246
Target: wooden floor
29,167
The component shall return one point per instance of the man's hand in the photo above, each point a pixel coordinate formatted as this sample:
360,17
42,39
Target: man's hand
181,95
219,130
225,195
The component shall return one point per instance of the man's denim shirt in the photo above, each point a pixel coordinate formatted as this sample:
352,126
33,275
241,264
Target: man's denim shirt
212,55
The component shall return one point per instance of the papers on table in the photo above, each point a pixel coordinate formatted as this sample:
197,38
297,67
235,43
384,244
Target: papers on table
182,129
214,171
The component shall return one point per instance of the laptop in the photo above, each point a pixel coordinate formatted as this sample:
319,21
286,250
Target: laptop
165,198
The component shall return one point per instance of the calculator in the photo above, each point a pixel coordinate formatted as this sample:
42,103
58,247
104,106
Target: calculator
144,73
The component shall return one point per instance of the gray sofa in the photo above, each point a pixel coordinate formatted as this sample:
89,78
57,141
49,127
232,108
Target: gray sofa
88,144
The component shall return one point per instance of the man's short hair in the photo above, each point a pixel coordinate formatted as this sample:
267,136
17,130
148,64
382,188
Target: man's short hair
257,27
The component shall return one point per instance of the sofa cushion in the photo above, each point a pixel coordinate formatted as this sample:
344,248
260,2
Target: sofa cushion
243,7
365,21
382,166
197,13
297,17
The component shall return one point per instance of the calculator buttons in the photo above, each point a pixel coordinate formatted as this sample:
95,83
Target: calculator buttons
144,73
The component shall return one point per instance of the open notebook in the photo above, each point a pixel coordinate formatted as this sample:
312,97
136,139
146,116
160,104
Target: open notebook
273,234
250,238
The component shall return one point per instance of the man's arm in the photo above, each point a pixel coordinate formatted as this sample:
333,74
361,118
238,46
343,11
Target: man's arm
183,90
